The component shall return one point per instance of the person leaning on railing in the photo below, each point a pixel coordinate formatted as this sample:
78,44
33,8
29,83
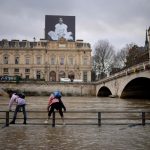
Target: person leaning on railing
55,102
19,99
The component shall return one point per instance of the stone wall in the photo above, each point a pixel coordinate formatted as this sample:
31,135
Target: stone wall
45,88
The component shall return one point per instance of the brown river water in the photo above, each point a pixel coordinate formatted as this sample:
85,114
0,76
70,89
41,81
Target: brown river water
77,137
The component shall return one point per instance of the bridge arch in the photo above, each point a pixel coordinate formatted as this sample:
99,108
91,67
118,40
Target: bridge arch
104,92
137,88
129,83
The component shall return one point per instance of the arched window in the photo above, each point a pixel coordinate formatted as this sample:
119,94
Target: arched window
16,59
38,75
5,59
52,76
71,75
27,59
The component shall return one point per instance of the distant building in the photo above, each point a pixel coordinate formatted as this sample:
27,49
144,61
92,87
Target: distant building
139,54
136,54
47,60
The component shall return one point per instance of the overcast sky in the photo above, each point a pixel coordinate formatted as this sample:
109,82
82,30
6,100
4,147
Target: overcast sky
119,21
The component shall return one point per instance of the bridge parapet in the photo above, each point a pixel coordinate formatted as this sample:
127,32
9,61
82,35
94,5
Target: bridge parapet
136,68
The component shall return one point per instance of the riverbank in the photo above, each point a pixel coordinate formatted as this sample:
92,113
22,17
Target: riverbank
41,88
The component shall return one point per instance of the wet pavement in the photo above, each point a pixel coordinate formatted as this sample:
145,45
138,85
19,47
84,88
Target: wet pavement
75,138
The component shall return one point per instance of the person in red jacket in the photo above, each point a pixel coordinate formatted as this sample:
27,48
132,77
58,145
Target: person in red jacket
55,102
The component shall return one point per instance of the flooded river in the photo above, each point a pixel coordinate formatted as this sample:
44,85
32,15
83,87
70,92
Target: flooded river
77,137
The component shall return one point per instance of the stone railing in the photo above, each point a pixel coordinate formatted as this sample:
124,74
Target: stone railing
136,68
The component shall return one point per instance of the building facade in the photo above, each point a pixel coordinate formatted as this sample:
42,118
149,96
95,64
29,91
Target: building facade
46,60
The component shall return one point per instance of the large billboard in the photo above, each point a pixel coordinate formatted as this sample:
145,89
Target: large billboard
57,27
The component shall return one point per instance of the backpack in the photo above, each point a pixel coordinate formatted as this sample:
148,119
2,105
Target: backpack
57,94
21,95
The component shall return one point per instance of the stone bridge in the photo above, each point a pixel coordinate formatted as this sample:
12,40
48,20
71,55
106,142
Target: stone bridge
133,82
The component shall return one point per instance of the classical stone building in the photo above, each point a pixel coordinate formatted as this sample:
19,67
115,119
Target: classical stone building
47,60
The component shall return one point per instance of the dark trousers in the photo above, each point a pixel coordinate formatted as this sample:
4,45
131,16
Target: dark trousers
56,106
18,108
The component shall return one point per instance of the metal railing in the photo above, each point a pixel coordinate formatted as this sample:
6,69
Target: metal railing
94,117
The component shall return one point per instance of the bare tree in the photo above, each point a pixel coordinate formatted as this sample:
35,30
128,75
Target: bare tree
120,58
103,57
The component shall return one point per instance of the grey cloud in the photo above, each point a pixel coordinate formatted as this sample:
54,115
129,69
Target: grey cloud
119,21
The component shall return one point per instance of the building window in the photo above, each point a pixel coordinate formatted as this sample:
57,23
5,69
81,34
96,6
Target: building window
52,61
70,61
16,70
62,61
27,44
38,75
5,59
16,44
38,60
52,76
27,61
17,60
85,60
5,70
27,70
85,76
6,43
27,77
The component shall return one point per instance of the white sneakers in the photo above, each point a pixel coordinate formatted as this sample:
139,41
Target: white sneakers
64,123
46,121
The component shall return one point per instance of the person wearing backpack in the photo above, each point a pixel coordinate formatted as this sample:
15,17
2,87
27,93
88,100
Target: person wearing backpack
19,99
55,102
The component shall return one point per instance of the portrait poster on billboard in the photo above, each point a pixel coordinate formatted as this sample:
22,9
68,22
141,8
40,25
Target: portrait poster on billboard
57,27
